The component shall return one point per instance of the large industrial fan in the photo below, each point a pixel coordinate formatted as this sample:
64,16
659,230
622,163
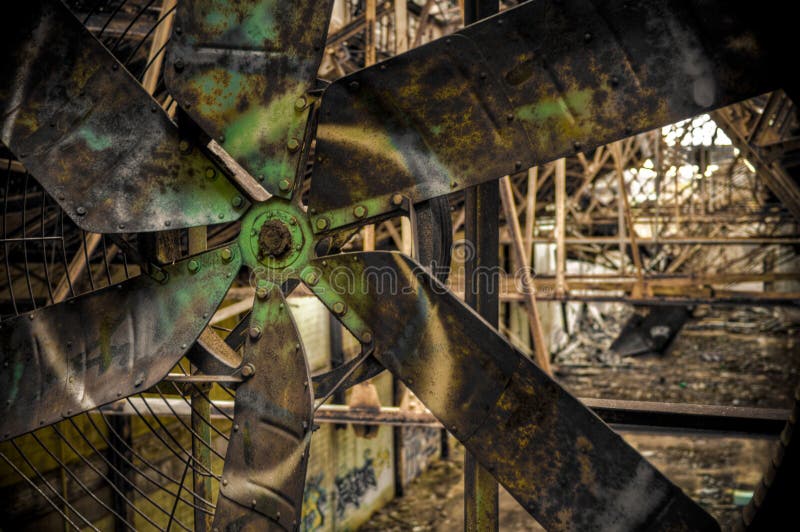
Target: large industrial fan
246,119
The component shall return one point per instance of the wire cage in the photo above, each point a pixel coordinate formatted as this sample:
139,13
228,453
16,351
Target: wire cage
150,461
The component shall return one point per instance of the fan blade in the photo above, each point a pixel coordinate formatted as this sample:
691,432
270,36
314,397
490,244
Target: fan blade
242,70
77,355
265,467
92,136
557,458
530,85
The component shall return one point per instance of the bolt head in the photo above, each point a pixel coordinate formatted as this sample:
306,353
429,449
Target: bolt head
248,370
193,266
262,293
359,211
226,255
80,211
300,103
284,185
397,199
237,201
255,333
293,144
366,337
321,223
339,308
311,279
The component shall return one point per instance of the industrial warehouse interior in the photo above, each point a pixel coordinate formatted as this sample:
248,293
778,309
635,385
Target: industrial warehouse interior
399,265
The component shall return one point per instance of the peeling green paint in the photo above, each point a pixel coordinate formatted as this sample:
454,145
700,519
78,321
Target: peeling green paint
573,103
96,141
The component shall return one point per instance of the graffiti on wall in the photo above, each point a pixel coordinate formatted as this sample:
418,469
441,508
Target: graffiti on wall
354,484
315,498
420,446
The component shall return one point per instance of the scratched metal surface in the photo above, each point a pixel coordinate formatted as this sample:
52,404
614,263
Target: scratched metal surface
77,355
94,139
530,85
265,466
242,70
559,460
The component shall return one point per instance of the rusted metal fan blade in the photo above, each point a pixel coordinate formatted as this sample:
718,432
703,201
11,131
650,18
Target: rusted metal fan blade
265,467
77,355
241,71
92,136
525,87
559,460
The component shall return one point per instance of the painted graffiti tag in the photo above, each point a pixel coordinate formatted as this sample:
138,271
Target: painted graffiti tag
352,486
315,498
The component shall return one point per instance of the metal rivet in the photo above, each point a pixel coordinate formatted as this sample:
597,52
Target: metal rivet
297,346
367,337
587,36
178,30
248,370
153,108
121,226
184,346
80,211
253,502
255,334
293,144
193,266
224,481
510,117
226,255
354,85
339,308
576,145
139,381
614,81
300,104
284,185
211,173
115,66
236,428
397,199
237,202
517,164
322,223
167,223
221,138
483,75
359,211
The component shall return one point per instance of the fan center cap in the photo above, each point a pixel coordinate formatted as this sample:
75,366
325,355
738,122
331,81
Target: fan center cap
274,240
275,235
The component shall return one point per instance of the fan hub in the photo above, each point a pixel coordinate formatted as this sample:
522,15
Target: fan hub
274,237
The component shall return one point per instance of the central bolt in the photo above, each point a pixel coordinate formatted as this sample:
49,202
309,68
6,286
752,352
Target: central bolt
274,240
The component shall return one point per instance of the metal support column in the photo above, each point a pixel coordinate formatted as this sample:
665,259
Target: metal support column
481,291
